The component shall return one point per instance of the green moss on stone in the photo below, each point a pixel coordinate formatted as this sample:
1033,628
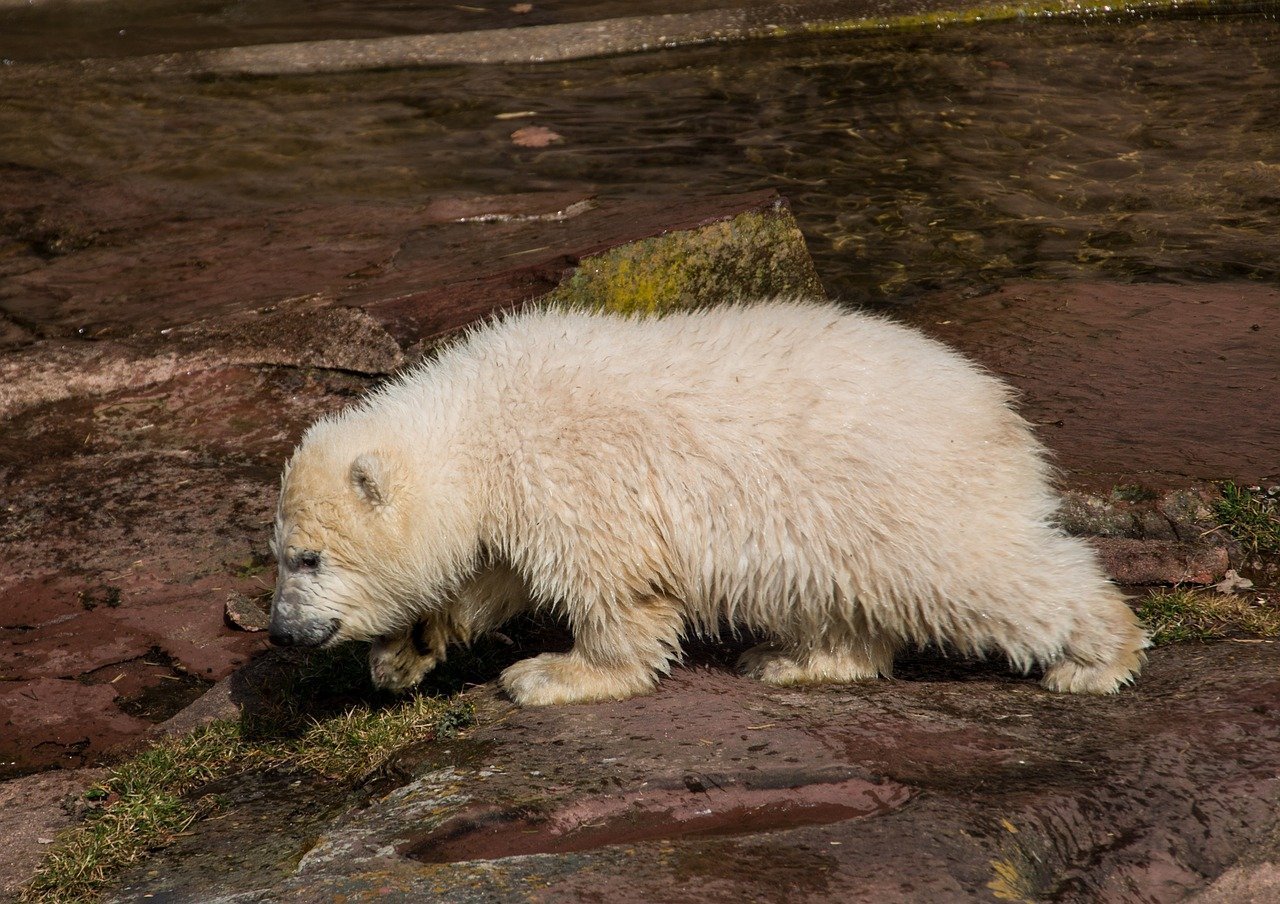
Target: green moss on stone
753,255
983,13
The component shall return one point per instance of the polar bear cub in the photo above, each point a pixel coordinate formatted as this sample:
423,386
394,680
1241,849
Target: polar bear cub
836,483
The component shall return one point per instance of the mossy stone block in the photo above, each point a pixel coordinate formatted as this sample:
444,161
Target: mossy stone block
755,254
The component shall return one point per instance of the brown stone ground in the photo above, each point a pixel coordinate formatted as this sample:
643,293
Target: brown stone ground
33,809
953,782
159,356
1158,384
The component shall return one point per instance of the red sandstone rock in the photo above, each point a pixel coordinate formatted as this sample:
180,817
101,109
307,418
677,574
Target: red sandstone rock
48,722
1176,383
32,812
1160,561
952,782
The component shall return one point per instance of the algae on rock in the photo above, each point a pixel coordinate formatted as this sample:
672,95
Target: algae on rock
757,254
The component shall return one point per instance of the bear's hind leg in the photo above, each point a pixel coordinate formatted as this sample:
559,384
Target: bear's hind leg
615,656
851,658
1104,652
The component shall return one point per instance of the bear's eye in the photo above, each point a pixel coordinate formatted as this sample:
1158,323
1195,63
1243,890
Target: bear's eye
307,560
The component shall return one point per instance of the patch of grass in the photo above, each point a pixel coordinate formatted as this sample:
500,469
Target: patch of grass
1179,615
1132,492
106,595
257,563
361,741
149,800
1251,518
143,808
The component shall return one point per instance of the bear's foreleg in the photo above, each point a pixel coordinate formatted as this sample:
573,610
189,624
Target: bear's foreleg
399,662
617,653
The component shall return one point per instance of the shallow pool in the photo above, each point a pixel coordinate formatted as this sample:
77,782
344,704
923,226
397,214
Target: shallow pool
1131,149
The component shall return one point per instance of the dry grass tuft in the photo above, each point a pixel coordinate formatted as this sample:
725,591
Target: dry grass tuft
149,800
1178,615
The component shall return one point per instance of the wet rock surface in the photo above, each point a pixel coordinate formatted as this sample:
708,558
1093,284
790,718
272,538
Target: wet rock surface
33,809
954,782
128,519
1150,384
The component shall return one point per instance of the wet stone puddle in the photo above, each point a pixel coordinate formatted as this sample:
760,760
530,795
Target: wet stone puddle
490,831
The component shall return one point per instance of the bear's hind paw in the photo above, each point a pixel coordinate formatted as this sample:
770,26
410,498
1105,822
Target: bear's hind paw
1067,676
774,665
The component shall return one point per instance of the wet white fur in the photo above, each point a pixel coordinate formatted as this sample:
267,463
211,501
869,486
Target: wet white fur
839,483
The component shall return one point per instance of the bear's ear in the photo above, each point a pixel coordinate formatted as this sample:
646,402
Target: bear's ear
371,479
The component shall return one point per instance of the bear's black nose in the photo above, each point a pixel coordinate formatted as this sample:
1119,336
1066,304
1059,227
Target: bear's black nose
281,638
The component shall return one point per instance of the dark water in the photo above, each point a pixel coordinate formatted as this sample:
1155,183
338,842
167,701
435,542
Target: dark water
1141,149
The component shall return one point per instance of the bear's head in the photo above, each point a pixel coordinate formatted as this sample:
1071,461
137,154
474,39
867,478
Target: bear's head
335,530
367,538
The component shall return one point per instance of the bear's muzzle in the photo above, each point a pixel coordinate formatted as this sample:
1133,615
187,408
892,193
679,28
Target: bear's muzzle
290,627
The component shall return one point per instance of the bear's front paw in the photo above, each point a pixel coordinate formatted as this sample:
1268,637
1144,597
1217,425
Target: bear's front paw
396,665
568,678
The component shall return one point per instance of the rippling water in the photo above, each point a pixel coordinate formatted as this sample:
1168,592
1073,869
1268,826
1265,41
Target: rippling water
1137,149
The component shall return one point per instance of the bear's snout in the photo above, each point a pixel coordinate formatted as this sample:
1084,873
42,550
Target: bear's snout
280,637
290,628
283,634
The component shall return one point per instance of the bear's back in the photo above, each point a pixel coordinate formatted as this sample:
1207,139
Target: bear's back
813,369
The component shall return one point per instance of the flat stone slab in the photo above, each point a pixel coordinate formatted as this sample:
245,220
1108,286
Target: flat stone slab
954,782
529,34
1170,384
176,275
